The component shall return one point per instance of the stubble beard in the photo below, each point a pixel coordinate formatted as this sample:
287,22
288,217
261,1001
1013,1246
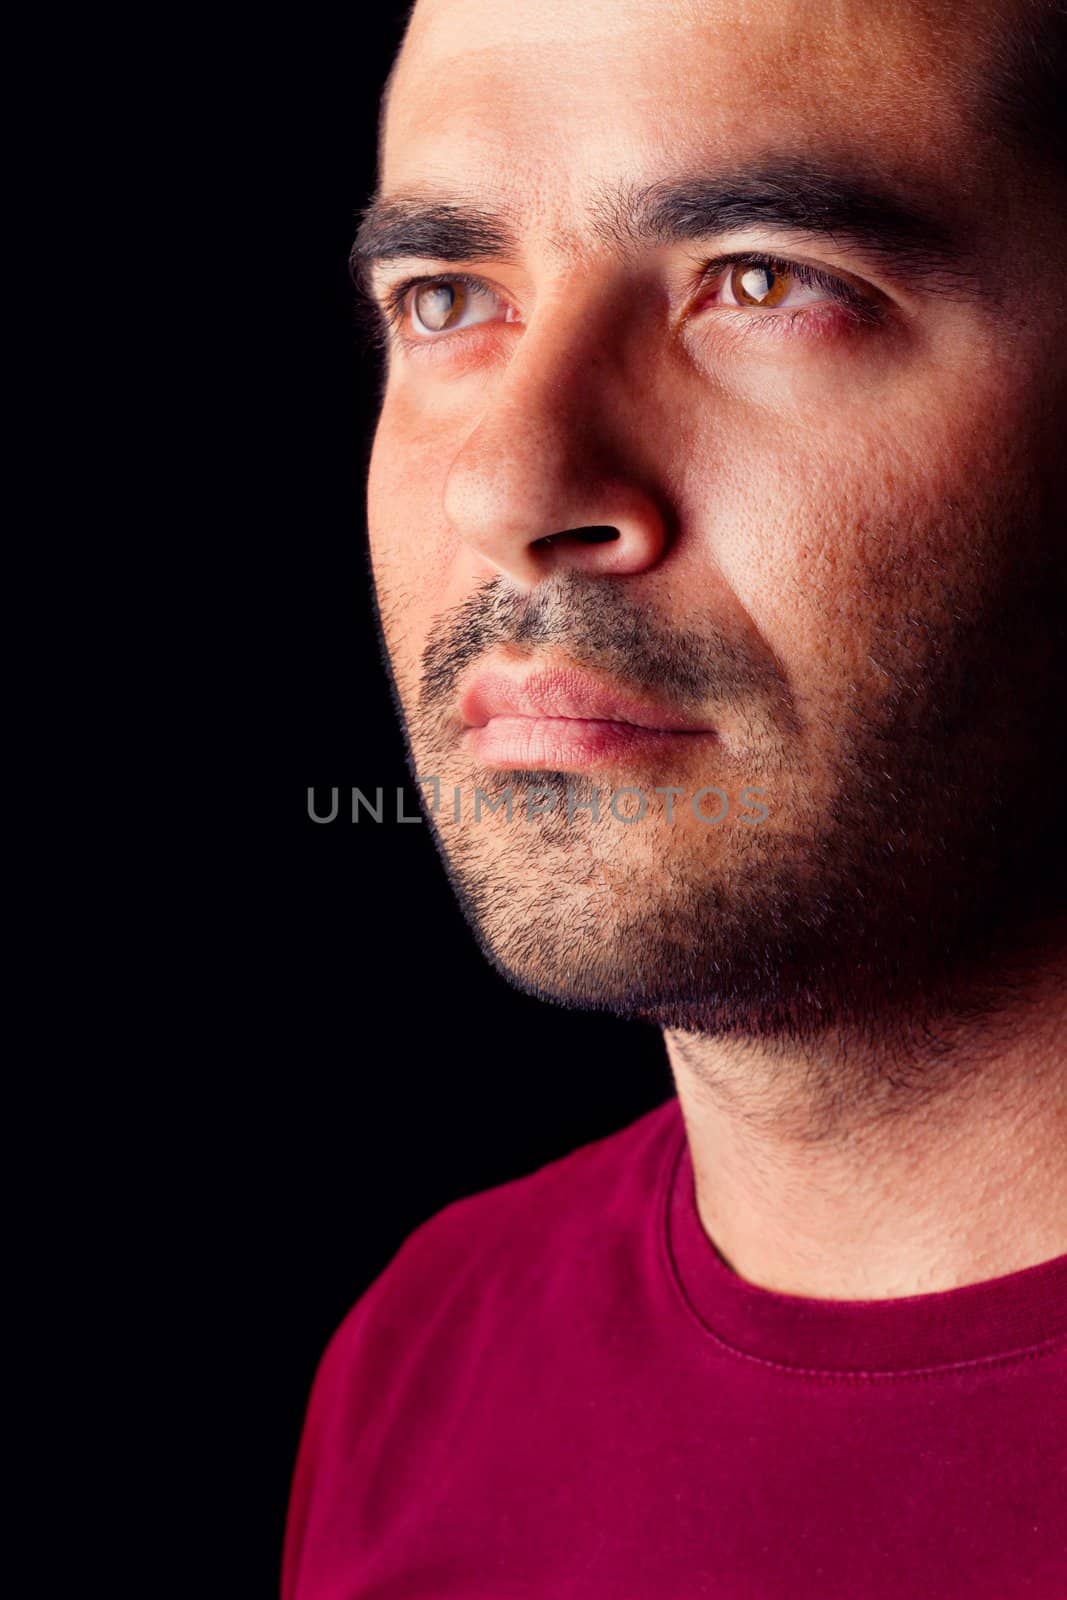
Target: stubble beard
905,881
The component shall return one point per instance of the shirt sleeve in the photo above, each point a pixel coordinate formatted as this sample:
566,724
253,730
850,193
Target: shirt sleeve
323,1405
362,1364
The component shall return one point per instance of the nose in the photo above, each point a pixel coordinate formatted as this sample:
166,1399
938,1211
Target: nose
549,477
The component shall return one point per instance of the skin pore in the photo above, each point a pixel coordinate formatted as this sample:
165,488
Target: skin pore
748,399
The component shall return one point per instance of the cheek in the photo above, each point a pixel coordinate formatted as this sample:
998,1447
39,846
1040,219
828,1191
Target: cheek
422,571
853,545
404,491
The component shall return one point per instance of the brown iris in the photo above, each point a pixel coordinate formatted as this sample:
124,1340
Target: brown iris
758,286
437,305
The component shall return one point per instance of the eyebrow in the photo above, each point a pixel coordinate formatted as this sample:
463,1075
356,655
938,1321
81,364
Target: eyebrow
830,204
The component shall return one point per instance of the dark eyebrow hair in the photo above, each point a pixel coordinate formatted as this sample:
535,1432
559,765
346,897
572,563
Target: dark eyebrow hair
801,197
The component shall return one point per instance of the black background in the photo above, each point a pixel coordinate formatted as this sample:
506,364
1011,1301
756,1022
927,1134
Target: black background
376,1067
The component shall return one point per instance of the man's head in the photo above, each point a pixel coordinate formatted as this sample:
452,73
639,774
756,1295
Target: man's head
729,462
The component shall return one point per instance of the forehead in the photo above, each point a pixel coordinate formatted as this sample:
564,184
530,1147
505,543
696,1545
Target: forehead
542,96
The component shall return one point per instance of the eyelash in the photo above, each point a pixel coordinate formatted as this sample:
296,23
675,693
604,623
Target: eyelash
852,302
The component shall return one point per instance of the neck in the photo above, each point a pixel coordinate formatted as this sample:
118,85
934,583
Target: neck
869,1169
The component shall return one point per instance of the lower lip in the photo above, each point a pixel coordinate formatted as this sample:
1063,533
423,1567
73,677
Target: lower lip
569,742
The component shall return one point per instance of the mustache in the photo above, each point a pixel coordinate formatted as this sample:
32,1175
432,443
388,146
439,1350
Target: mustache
601,628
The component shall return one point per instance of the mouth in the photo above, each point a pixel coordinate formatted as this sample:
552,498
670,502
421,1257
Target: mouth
563,718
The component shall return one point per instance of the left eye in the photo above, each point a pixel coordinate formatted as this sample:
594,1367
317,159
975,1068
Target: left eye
749,283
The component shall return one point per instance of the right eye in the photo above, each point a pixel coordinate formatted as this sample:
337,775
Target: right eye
436,306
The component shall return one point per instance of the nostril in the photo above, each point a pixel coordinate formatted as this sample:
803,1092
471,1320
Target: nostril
594,535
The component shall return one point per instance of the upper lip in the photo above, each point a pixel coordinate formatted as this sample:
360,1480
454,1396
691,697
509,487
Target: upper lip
563,691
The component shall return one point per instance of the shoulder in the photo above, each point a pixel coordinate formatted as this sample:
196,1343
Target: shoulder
473,1286
497,1245
574,1195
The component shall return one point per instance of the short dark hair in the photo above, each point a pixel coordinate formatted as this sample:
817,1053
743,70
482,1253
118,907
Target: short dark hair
1024,102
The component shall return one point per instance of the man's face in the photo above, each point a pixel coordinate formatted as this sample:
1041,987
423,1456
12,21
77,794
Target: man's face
768,496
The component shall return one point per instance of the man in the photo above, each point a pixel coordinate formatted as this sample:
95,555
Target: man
716,510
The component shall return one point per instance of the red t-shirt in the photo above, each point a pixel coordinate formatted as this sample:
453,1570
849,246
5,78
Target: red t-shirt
557,1389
